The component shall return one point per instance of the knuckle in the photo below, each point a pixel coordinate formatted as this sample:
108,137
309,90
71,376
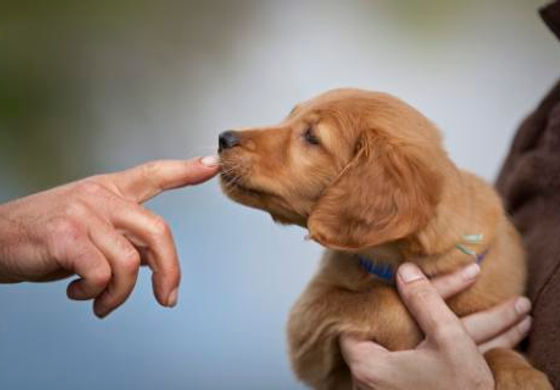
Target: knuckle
63,235
90,187
131,260
66,230
160,226
151,169
514,337
508,316
506,313
75,209
101,276
447,333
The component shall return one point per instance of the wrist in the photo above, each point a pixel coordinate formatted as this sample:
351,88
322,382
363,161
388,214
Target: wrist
4,247
12,245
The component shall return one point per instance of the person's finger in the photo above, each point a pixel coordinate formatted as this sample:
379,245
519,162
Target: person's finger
455,282
426,306
151,236
147,180
150,232
510,338
485,325
124,260
94,271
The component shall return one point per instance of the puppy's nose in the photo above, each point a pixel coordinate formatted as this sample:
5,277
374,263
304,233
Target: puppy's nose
228,139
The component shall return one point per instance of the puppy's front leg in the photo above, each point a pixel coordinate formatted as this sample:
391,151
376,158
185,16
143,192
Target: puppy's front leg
324,312
512,371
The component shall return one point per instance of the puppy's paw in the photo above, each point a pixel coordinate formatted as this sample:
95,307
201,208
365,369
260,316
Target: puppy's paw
513,372
522,378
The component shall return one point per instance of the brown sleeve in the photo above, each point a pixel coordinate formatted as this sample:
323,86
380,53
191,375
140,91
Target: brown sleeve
530,185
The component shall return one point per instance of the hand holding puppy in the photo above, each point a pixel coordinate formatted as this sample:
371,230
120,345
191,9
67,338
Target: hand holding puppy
451,354
97,229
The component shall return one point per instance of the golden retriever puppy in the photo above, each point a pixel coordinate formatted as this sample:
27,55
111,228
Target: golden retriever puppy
367,175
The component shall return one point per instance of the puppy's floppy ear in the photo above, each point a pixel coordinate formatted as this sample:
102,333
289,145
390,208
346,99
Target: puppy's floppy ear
385,193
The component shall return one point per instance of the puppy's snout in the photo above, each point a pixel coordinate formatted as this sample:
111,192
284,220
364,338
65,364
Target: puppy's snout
227,140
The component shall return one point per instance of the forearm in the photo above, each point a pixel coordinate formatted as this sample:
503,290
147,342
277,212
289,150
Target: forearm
8,237
15,244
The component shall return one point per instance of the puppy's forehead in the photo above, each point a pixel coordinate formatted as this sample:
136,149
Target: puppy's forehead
338,100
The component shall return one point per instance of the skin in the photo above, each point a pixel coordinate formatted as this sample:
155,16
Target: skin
451,355
98,230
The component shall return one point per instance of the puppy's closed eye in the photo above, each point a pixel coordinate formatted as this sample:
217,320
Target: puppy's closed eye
310,136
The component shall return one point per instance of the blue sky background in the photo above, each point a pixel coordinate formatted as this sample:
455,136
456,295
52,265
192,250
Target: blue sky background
88,88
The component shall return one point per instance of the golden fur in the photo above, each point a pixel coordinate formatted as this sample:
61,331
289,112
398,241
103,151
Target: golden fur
366,173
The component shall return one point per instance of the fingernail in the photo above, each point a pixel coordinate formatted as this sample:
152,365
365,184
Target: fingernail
522,305
210,161
525,325
471,271
173,297
409,273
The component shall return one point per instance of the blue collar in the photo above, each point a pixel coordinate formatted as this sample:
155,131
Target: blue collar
383,271
386,271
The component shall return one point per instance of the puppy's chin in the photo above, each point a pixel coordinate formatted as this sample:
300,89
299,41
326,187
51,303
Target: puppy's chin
262,201
241,194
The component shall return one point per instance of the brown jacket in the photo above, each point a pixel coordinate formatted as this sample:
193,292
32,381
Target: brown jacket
530,185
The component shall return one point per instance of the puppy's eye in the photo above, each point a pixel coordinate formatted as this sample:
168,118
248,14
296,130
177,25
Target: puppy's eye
310,136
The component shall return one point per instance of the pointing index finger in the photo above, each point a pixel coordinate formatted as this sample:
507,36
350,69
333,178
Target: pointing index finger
147,180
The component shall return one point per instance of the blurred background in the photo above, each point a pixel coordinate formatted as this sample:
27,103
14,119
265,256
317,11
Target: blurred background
88,87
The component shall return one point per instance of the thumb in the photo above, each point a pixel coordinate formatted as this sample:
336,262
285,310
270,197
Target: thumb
368,361
358,350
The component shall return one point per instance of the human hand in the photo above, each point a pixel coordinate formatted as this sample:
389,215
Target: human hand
97,229
451,354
